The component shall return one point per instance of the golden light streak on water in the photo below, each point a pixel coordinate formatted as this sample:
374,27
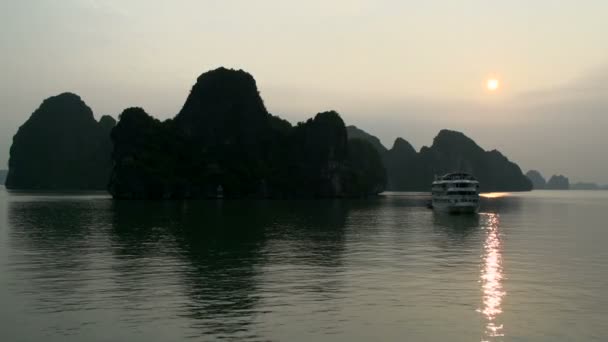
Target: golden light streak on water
491,280
494,194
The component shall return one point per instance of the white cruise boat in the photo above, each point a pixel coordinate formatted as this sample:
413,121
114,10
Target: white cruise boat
455,193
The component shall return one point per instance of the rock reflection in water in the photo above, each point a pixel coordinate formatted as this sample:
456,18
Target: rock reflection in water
212,264
224,247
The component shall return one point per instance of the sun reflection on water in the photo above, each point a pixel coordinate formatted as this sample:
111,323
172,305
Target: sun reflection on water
494,194
491,280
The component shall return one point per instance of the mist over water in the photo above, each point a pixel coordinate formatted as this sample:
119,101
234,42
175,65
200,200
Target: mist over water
84,267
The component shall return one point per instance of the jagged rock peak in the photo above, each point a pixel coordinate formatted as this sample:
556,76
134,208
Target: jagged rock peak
403,146
65,96
330,116
107,122
133,113
355,132
449,140
224,105
65,106
221,90
61,146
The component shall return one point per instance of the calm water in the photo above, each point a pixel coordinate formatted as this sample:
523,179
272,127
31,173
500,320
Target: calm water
530,267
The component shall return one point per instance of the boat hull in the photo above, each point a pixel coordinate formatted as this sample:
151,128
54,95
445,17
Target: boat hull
456,208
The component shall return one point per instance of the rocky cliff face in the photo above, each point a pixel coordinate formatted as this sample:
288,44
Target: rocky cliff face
451,151
146,153
538,181
224,140
356,133
61,147
367,173
403,166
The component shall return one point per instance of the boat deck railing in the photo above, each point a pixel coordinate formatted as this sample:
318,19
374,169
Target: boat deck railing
455,177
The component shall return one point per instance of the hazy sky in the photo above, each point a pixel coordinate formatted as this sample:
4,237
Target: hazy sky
393,68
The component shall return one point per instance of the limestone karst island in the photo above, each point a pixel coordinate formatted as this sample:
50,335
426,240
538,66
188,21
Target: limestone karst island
223,142
295,171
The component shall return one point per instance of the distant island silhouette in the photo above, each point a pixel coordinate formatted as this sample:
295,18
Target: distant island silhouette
560,182
556,182
451,151
224,143
587,186
537,179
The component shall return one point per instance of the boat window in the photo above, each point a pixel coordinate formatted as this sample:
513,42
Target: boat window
465,185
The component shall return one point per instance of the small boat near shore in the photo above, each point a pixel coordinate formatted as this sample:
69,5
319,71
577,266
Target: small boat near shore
455,193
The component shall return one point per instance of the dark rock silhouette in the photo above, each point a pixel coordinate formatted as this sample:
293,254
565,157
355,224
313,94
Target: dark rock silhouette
538,181
400,159
366,168
404,169
356,133
61,147
558,182
225,141
451,152
319,149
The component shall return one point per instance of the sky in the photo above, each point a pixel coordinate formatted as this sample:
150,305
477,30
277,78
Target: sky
393,68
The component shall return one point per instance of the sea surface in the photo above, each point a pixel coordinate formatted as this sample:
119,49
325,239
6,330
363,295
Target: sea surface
82,267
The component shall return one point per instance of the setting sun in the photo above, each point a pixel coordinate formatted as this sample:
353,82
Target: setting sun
493,84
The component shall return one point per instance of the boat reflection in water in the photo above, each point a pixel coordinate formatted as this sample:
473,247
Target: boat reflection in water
491,278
